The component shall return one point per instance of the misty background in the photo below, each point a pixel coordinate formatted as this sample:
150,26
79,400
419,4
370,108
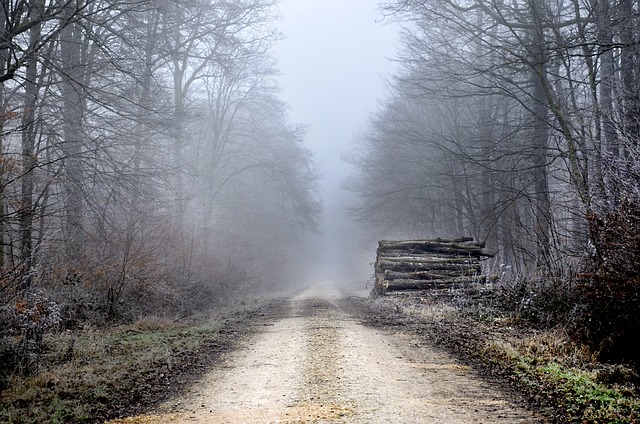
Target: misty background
161,155
169,156
335,61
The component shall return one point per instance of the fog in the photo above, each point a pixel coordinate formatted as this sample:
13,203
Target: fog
193,155
162,158
334,61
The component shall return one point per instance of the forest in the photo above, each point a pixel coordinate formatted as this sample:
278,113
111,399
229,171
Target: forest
147,161
149,171
518,123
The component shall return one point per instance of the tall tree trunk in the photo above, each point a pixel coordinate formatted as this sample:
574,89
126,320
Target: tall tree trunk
179,68
629,63
29,134
540,135
488,196
606,139
72,98
141,131
4,58
486,132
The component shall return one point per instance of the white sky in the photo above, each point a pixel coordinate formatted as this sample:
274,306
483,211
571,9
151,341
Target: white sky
334,61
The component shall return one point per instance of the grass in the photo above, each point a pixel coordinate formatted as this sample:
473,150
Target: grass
547,362
561,377
96,375
584,393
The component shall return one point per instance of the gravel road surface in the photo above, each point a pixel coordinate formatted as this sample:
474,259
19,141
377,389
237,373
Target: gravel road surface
319,364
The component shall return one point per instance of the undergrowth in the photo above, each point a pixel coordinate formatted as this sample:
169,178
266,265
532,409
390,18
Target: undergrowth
562,377
98,374
578,391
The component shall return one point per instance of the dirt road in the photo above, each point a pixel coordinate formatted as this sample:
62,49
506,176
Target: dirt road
318,364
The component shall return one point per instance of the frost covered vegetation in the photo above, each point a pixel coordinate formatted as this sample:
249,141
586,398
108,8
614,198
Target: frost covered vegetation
147,164
97,374
556,376
517,123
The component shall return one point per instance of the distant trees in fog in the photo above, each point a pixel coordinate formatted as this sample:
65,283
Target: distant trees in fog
513,122
139,140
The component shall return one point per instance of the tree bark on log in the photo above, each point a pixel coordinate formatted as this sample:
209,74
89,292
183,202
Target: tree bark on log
426,275
417,267
427,245
437,240
429,260
398,285
427,264
439,250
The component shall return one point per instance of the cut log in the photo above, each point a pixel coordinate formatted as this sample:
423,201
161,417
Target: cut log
427,245
430,260
427,275
436,240
395,253
417,267
439,251
397,285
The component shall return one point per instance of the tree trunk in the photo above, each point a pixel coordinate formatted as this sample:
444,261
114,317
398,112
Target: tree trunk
607,75
141,130
540,136
432,274
29,160
628,69
4,57
399,285
72,145
179,97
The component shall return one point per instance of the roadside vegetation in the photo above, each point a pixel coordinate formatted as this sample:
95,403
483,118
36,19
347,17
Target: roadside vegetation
95,374
555,374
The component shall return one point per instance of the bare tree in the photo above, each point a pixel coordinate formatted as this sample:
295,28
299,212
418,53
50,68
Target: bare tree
29,133
122,122
196,38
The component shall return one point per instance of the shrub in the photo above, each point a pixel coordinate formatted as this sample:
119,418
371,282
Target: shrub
543,301
607,313
22,336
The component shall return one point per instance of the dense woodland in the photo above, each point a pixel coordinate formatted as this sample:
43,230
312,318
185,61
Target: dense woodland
147,163
518,123
148,166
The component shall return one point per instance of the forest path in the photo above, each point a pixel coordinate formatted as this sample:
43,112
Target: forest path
319,364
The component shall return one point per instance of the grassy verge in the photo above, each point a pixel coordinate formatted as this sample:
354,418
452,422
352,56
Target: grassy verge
569,388
97,375
556,376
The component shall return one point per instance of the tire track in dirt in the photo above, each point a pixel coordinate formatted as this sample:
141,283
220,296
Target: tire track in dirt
319,364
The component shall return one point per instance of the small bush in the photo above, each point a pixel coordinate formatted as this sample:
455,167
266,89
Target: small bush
543,301
607,314
22,335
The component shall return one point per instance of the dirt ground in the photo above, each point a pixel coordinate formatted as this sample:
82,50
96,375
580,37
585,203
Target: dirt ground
320,364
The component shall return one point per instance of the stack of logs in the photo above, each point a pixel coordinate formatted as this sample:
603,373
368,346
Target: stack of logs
427,264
